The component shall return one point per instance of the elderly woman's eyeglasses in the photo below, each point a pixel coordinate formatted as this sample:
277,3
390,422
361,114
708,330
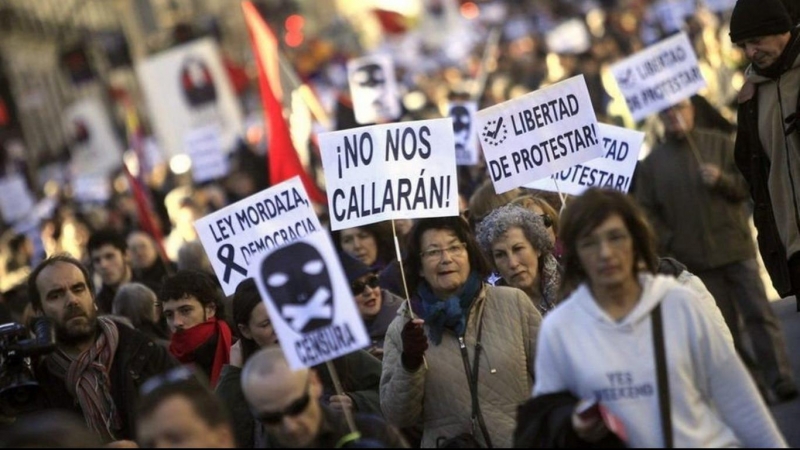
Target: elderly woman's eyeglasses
547,220
359,286
293,410
436,254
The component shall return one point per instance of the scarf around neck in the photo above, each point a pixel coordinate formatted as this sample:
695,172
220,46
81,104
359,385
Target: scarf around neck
785,60
184,343
450,313
87,380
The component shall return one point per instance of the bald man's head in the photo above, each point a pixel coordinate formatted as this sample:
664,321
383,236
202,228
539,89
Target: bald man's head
285,401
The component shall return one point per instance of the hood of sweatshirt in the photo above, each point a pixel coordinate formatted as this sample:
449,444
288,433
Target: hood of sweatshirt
654,288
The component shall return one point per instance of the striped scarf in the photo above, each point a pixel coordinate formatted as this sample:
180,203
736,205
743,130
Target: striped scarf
87,379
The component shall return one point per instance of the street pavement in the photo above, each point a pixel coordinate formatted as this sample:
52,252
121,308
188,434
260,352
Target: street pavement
787,415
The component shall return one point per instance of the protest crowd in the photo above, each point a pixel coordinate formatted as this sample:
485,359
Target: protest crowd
502,224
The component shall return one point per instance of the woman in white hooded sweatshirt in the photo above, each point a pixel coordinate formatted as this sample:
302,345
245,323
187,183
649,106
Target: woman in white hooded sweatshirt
598,343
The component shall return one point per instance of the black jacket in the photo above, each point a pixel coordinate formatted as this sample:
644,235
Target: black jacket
137,358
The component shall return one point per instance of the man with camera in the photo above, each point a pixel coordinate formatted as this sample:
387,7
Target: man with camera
98,365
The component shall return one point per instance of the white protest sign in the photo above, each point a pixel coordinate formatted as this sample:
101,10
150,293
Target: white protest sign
571,37
658,77
621,148
539,134
91,189
204,147
720,5
466,139
187,87
373,87
309,301
673,13
96,148
234,236
16,200
395,171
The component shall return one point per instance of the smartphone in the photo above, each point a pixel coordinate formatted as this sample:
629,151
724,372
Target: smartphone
588,409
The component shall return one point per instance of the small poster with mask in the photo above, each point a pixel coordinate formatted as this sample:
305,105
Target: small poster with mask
374,89
463,115
306,292
238,234
621,148
658,77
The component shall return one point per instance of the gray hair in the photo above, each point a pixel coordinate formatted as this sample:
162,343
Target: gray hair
502,219
135,301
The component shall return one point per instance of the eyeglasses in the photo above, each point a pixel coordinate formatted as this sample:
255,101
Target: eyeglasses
547,220
176,375
293,410
358,286
615,239
437,253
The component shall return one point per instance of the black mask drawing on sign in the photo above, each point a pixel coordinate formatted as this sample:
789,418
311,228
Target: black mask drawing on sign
371,78
461,126
197,83
298,282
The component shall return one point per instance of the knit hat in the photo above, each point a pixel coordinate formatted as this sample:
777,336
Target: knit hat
755,18
353,268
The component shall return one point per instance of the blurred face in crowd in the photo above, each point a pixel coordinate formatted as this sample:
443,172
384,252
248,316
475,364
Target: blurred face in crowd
67,300
176,424
607,254
287,404
367,293
360,244
679,119
111,264
445,261
142,250
516,260
764,51
184,313
259,327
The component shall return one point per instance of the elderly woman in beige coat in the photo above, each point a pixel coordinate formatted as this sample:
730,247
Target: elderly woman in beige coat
459,321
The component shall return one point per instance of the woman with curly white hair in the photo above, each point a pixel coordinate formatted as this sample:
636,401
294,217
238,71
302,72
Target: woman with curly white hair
517,243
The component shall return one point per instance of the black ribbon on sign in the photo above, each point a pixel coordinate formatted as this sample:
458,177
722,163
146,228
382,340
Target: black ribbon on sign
225,255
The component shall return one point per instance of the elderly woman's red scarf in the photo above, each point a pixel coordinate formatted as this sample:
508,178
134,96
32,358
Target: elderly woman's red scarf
184,343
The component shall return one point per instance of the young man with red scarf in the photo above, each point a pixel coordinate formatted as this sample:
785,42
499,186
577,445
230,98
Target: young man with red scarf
192,306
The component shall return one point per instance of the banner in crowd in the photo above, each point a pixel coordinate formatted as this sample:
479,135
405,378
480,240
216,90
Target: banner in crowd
91,188
309,301
719,6
671,14
614,170
395,171
658,77
209,159
96,149
16,200
539,134
234,236
570,37
186,88
466,139
373,87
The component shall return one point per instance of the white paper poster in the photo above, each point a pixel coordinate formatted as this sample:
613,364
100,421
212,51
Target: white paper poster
541,133
236,235
204,147
658,77
187,87
463,115
16,200
571,37
309,301
720,5
96,148
91,188
621,148
373,87
395,171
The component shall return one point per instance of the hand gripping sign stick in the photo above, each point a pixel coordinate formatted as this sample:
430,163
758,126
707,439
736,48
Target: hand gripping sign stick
403,277
354,434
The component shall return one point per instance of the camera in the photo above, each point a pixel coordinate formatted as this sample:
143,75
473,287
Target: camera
19,391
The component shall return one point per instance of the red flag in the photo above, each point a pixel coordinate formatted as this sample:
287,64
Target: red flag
283,160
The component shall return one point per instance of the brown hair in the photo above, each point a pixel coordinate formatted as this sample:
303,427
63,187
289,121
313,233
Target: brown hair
590,210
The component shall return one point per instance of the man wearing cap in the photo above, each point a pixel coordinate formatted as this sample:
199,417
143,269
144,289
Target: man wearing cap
767,148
